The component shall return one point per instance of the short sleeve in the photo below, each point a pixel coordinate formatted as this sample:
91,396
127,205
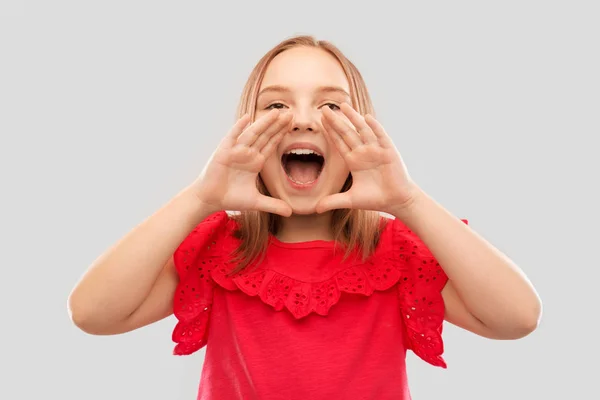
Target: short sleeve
420,292
192,301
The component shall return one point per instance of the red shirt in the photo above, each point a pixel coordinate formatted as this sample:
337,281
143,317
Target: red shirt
304,324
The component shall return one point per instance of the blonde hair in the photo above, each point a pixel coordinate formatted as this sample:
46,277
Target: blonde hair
353,229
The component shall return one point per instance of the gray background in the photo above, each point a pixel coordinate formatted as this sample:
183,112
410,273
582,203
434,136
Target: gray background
108,108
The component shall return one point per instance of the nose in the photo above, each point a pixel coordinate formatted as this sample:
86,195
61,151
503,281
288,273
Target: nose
306,120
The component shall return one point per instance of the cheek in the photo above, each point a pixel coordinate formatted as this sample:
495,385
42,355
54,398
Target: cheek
338,170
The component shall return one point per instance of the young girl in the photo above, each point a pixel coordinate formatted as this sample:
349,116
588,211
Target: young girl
307,291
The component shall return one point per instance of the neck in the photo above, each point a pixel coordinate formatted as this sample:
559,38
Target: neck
304,228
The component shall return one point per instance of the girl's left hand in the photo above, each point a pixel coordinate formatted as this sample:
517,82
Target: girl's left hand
380,181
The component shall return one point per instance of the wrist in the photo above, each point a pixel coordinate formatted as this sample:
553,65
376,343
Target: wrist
198,203
411,206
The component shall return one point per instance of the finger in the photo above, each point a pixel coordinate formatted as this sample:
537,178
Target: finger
363,129
337,140
378,131
273,206
334,202
249,135
242,123
339,127
272,144
281,124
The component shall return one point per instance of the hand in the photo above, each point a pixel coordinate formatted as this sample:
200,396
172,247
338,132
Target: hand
380,181
228,181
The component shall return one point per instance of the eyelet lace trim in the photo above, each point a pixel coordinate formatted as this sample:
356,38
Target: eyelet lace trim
303,298
194,260
420,291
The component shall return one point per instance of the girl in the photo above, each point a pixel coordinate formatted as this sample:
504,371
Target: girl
308,291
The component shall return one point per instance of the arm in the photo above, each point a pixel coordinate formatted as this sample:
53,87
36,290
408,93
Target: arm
486,293
132,284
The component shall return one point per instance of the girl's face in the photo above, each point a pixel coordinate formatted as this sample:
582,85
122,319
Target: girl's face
306,166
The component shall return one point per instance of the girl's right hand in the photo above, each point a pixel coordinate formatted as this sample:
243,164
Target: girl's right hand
228,181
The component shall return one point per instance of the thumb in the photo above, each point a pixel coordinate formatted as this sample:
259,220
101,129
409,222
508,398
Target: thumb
333,202
273,205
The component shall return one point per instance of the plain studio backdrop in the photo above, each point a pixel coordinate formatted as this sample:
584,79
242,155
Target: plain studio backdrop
109,108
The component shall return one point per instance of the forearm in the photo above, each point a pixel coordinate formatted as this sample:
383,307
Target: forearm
491,286
118,282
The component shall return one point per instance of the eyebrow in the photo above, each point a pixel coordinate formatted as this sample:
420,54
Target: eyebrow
325,89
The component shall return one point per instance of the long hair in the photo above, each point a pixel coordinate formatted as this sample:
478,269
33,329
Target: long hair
355,230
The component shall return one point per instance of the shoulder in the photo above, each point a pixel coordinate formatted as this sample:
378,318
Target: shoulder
217,224
212,237
393,232
402,249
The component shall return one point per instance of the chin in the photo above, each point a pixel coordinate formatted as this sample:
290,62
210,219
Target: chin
304,207
304,211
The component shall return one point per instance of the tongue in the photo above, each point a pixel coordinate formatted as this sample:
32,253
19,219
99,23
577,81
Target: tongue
303,171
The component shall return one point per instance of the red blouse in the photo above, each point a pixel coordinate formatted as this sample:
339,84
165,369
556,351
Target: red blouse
304,324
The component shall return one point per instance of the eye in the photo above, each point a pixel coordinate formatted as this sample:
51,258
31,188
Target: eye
332,106
274,105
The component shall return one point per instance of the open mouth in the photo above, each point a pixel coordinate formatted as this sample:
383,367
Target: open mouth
302,166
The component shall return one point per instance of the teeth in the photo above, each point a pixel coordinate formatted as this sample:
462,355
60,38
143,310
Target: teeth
301,183
302,151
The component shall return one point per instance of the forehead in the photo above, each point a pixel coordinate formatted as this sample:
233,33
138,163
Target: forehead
305,68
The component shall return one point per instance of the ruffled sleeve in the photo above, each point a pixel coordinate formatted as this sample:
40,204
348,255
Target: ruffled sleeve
192,301
420,292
